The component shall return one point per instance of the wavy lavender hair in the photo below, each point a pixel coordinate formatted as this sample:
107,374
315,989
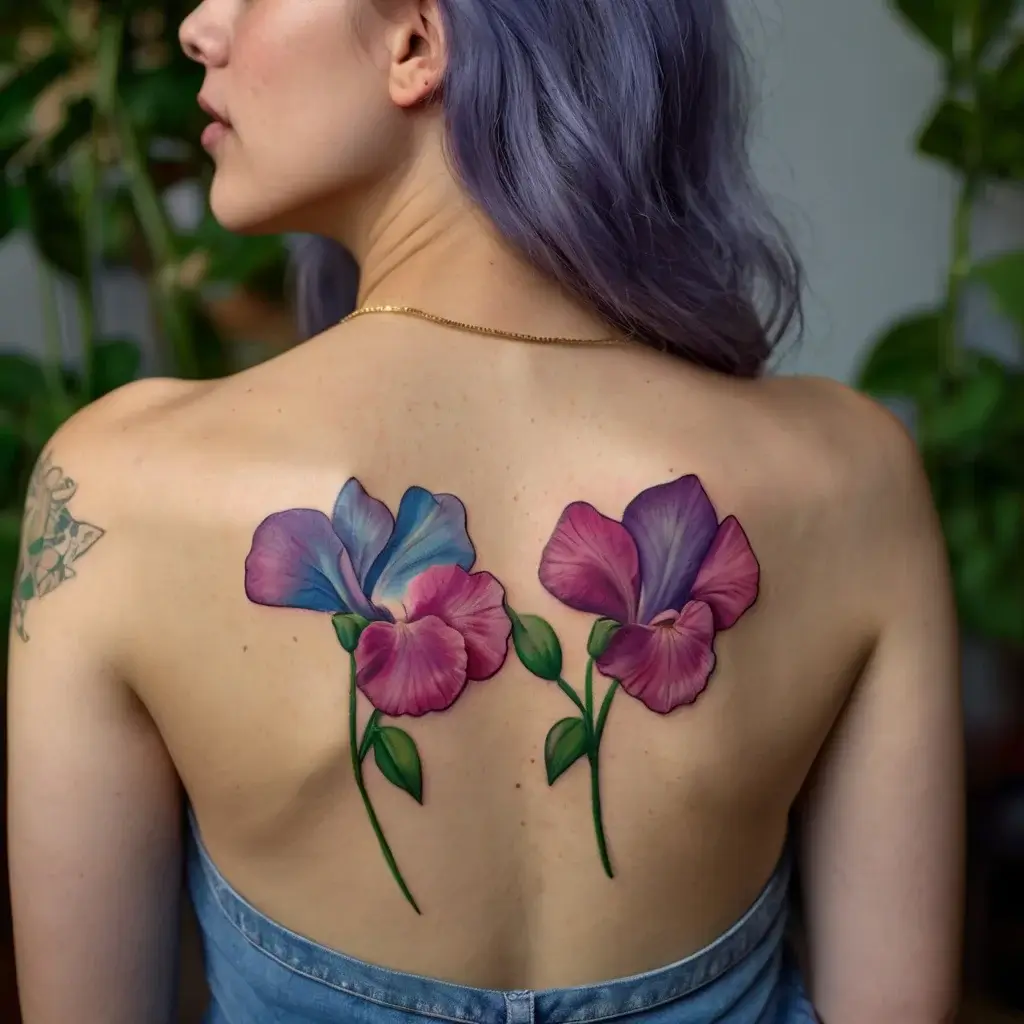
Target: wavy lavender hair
606,140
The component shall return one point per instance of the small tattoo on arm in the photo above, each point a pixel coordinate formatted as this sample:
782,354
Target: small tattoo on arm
52,540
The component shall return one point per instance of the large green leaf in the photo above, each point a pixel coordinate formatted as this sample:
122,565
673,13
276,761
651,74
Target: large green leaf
56,229
907,361
234,258
22,381
1004,276
932,19
968,409
949,136
1003,87
6,209
937,20
116,363
19,94
162,102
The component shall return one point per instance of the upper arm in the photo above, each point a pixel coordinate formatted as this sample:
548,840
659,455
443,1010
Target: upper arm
883,824
93,806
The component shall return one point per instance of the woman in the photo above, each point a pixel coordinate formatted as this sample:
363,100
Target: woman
489,646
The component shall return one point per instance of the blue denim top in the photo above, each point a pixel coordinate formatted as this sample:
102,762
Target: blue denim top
261,973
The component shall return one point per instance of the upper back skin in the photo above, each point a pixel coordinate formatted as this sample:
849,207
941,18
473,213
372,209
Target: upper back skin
252,702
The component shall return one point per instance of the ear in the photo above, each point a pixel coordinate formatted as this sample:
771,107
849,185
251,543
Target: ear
418,54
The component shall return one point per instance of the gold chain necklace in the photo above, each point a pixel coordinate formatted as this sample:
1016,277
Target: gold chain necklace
474,329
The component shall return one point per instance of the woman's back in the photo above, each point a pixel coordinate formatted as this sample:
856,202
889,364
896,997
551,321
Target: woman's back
497,664
253,702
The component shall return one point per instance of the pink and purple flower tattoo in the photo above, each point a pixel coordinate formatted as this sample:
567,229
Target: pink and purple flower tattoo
418,626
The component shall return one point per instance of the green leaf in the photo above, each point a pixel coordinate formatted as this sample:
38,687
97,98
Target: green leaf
163,101
117,363
398,760
566,743
19,95
962,418
537,646
21,381
936,20
1004,276
349,628
948,137
55,227
1003,88
933,19
601,636
78,123
7,222
906,361
234,258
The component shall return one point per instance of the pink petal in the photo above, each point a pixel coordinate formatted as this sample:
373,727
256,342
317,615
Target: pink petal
729,576
473,604
591,564
664,665
410,668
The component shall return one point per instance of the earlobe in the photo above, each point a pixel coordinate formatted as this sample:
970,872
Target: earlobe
418,58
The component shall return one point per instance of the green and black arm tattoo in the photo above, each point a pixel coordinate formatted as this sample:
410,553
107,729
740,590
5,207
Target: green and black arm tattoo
52,540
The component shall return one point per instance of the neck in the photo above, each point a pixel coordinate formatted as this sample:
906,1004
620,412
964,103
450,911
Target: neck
434,250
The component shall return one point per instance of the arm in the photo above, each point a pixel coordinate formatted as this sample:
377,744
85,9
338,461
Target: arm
94,809
883,828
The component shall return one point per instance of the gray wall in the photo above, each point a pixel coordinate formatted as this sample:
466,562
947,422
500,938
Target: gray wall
844,88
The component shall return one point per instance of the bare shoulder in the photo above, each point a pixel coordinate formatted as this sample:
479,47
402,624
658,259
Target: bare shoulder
860,446
75,499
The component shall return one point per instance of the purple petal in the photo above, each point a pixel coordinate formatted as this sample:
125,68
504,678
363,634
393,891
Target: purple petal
591,564
673,526
364,525
295,562
728,579
430,530
667,664
410,668
473,605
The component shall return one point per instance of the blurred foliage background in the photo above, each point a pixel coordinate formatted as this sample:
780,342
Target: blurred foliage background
98,122
968,405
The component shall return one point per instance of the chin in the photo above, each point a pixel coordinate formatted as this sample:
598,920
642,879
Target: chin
244,215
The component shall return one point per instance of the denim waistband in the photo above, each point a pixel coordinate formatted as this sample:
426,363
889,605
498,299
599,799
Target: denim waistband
758,935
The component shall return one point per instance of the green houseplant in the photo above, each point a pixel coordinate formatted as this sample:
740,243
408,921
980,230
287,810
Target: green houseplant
98,120
968,405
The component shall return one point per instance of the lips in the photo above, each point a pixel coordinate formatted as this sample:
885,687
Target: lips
218,129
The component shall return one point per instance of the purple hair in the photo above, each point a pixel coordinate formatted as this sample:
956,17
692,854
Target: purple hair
606,141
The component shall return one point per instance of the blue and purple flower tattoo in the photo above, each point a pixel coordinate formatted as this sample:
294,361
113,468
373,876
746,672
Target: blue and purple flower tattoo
418,626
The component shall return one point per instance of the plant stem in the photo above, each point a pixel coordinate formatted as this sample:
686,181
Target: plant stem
573,696
86,179
162,245
593,756
357,769
606,706
368,734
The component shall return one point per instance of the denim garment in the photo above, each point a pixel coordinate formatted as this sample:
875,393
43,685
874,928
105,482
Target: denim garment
261,973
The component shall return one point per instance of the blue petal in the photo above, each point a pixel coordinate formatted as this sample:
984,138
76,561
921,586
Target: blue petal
298,561
430,530
364,525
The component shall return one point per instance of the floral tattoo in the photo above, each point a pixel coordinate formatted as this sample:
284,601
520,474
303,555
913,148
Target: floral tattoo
416,624
662,582
52,540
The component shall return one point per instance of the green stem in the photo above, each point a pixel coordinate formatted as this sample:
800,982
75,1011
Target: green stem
573,696
593,756
162,245
357,769
368,734
86,179
606,706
